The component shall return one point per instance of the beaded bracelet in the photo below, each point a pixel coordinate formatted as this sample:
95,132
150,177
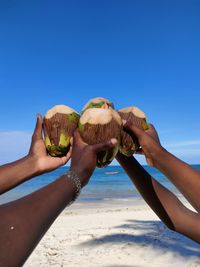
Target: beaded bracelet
76,180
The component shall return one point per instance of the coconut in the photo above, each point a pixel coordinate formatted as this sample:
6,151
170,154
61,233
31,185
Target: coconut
98,125
129,144
98,102
59,124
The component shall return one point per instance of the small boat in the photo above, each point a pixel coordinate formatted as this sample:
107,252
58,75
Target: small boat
111,173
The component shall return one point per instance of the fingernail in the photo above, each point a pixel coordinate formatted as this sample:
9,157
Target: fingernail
124,122
113,141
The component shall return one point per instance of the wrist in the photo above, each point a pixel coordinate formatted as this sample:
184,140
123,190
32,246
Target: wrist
82,174
33,164
74,178
158,155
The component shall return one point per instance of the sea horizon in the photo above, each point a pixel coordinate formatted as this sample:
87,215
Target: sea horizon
106,184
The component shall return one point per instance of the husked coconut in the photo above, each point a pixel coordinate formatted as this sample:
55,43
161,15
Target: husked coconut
137,117
59,124
98,102
98,125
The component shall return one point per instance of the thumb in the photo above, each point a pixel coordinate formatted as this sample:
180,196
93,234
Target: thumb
76,137
105,145
77,140
37,134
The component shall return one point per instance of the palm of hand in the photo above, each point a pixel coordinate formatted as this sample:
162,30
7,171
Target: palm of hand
44,162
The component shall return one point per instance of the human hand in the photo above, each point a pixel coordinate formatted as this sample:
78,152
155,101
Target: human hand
84,156
44,162
148,140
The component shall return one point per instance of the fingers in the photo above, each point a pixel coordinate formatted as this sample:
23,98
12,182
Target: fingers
76,137
37,134
151,129
71,141
63,160
105,146
68,156
133,130
153,133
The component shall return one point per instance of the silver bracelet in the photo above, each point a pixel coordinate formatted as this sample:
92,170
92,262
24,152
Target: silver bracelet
76,180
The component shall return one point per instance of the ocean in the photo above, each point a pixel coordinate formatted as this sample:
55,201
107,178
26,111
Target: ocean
110,183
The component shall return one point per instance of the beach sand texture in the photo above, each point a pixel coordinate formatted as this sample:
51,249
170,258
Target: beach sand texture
113,235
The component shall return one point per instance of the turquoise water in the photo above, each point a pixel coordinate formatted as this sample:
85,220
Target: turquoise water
105,184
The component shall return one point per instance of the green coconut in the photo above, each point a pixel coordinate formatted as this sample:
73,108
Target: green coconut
98,125
59,124
98,102
129,145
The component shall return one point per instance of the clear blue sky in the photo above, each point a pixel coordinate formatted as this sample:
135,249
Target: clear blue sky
143,53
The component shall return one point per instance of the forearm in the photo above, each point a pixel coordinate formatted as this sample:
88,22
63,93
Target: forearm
163,202
182,175
184,220
146,186
25,221
14,173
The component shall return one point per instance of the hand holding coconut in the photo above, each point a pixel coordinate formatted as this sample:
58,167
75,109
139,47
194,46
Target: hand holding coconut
36,162
134,116
84,156
149,141
59,141
43,162
99,122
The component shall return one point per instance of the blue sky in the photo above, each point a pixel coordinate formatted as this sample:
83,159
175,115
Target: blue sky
143,53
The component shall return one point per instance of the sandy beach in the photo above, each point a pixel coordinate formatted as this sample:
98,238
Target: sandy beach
115,234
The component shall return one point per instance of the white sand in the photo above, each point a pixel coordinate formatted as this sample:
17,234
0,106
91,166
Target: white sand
117,234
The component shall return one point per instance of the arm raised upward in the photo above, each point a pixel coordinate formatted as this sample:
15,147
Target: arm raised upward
34,163
164,203
24,222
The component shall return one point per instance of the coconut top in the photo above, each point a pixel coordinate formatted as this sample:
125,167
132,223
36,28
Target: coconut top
99,116
59,109
97,100
136,111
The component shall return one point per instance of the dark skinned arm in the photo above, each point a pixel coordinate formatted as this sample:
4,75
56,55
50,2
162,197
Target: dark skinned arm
181,174
24,222
35,163
163,202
